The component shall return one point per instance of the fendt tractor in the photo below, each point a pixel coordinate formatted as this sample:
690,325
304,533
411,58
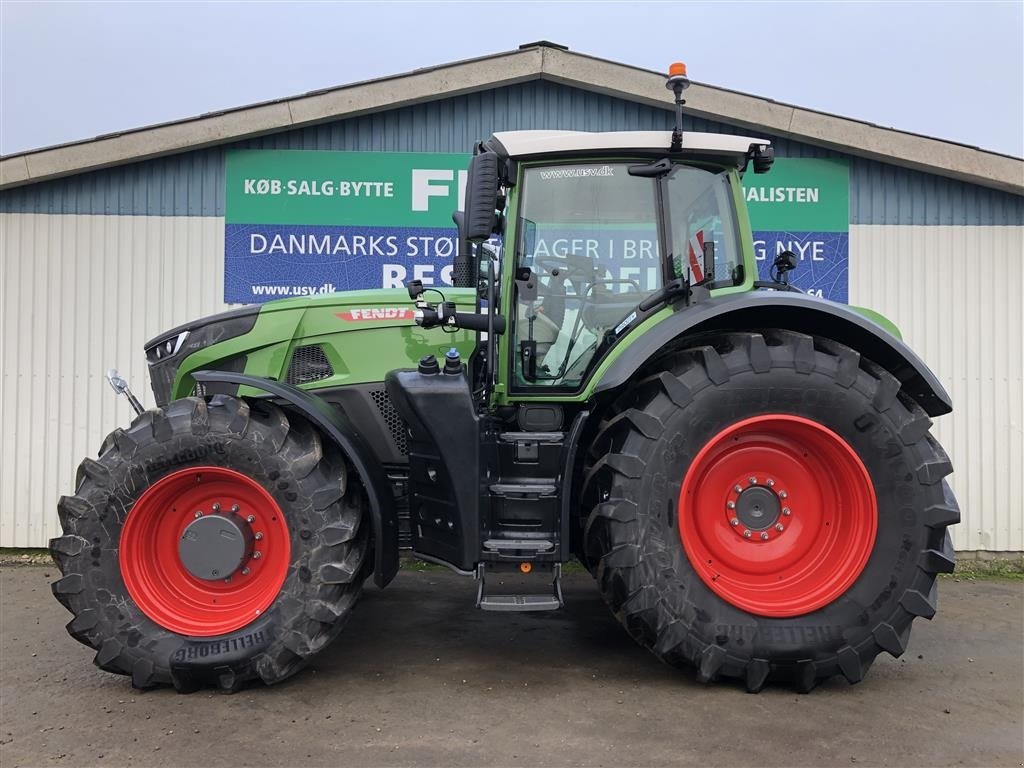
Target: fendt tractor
745,470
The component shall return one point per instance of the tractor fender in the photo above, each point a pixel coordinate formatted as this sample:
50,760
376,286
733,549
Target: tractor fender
795,312
335,425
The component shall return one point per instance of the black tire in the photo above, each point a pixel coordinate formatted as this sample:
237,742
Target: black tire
324,506
640,455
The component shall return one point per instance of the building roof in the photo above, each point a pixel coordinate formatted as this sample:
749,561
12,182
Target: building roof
541,60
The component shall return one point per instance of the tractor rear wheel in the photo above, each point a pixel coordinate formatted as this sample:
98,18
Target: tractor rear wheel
213,542
769,507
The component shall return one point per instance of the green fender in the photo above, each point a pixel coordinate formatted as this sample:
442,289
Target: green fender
793,311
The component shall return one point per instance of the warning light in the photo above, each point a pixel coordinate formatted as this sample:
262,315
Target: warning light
525,567
677,82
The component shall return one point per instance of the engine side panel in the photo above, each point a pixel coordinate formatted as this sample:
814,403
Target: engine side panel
358,336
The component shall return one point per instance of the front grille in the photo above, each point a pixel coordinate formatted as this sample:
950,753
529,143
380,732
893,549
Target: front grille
395,423
308,364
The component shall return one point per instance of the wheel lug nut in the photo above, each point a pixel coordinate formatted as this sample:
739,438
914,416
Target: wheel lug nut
783,494
738,488
734,521
234,507
731,505
250,519
256,555
764,535
786,511
245,571
752,480
747,534
780,527
257,536
216,507
771,483
199,513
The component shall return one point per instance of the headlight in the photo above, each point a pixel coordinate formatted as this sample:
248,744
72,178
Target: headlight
165,348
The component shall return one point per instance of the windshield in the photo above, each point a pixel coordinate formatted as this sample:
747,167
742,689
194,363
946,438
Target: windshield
589,235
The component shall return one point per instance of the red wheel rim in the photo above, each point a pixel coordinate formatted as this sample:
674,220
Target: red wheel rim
159,582
777,515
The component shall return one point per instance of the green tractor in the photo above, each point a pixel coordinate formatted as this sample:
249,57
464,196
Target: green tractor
746,470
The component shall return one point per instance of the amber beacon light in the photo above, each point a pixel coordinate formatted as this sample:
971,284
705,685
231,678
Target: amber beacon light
677,82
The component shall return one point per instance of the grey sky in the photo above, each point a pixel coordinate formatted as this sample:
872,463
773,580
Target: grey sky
74,70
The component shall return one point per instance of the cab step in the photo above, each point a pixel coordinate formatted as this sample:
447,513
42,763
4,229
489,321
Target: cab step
548,602
519,603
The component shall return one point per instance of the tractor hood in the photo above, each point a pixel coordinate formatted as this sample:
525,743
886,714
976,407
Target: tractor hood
342,338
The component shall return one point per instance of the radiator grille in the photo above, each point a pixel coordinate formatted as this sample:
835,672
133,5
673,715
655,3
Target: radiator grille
308,364
395,423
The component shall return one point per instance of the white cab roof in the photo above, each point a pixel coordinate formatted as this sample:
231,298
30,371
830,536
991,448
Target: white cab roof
523,143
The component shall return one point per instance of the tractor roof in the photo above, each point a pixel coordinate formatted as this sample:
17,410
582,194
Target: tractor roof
722,146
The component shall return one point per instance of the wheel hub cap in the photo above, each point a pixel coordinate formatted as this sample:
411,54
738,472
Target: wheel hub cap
757,508
215,546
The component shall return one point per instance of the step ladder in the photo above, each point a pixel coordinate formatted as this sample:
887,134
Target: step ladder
546,602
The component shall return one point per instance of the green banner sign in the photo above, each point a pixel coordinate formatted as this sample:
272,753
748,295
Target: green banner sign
391,189
800,195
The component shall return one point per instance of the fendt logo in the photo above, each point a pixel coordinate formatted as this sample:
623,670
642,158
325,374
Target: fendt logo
428,183
371,314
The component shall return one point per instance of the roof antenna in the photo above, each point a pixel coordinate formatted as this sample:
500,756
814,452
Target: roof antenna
677,83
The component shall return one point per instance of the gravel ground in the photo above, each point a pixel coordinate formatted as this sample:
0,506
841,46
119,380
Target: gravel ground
420,677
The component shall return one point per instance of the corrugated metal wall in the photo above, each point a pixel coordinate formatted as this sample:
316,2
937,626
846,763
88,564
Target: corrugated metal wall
955,293
93,265
80,294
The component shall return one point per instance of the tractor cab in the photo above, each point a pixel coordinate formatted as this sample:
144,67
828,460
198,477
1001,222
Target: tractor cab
599,231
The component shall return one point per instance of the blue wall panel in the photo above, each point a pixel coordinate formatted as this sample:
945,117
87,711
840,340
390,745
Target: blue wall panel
192,183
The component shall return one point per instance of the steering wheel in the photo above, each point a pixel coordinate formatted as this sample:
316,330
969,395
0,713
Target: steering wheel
572,266
575,268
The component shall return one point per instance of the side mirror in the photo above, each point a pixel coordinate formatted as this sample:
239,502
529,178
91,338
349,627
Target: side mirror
763,156
481,197
784,263
465,267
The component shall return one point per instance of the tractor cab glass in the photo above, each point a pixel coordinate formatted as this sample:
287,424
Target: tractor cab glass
698,212
589,251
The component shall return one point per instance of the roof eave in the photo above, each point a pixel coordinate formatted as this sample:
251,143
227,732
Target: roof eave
922,153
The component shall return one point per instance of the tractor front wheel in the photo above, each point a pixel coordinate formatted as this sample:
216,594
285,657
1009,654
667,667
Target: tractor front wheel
768,506
212,542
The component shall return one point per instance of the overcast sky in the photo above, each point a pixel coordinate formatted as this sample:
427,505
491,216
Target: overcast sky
74,70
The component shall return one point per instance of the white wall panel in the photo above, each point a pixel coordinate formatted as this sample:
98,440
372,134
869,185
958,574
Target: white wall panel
956,294
80,294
